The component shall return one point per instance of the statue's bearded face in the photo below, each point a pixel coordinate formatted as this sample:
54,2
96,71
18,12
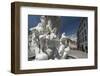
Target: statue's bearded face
43,19
49,22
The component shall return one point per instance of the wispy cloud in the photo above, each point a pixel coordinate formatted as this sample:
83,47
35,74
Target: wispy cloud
72,36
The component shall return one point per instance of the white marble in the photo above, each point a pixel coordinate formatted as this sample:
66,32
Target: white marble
44,44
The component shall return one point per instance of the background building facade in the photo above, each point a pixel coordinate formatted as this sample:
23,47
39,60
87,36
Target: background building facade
82,35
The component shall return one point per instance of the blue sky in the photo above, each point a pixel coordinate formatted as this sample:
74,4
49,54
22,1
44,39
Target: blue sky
69,25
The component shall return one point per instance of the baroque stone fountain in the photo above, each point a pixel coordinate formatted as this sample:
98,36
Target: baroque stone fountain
44,41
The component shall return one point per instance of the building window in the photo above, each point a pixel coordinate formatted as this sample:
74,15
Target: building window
85,31
85,38
84,24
